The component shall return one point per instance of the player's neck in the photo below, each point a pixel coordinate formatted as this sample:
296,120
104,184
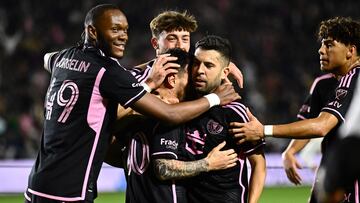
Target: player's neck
347,67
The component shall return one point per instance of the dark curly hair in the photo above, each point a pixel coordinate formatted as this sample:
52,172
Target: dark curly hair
342,29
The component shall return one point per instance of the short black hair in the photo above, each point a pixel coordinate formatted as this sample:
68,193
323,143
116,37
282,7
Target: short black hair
183,58
219,44
343,29
94,13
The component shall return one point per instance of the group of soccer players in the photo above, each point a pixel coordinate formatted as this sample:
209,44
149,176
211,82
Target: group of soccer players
197,161
174,154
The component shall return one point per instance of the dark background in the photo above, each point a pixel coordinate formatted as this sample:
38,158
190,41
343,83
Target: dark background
274,42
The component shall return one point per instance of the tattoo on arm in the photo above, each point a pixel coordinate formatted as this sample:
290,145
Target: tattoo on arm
167,169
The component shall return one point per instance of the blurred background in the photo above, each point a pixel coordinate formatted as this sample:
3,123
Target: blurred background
274,42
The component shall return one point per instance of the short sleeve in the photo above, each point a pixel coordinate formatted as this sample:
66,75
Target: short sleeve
166,143
120,85
341,98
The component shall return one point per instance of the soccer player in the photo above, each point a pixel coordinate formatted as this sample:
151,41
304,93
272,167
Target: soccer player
320,93
172,29
87,82
339,172
201,135
142,184
340,40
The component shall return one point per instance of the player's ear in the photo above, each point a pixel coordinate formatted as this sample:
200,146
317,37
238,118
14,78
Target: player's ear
91,30
170,81
225,72
154,43
352,51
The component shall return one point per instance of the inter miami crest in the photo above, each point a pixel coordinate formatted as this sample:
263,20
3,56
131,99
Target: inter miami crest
340,94
214,127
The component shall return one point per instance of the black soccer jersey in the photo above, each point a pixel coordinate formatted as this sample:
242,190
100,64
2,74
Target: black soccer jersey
339,103
205,133
142,183
196,139
320,92
81,103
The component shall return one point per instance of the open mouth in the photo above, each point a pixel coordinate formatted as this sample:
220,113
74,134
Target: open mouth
121,47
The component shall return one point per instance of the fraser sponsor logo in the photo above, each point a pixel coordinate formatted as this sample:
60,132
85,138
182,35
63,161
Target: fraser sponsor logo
172,144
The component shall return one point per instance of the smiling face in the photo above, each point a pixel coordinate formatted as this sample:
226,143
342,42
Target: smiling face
112,33
208,71
334,55
169,40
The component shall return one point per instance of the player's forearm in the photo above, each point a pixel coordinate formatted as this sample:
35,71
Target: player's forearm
168,169
295,146
257,179
171,113
305,129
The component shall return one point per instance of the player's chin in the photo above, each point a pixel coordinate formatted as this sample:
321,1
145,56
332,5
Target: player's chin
117,54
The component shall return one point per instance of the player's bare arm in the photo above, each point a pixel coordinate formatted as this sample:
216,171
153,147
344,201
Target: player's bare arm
291,165
258,175
167,169
185,111
304,129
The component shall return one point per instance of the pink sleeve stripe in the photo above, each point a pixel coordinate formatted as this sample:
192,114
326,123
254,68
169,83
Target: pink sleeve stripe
53,197
326,76
336,112
162,153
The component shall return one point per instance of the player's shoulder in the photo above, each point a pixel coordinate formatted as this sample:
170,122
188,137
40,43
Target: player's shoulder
349,80
325,80
236,108
236,104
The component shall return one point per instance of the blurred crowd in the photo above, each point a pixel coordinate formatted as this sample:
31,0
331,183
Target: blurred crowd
274,44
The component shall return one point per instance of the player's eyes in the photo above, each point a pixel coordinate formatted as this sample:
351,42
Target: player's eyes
186,39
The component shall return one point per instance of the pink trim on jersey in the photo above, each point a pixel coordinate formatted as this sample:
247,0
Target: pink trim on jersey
333,110
346,79
69,199
240,177
255,148
27,197
173,188
318,79
145,154
145,75
134,97
95,119
357,191
239,109
301,117
352,73
160,153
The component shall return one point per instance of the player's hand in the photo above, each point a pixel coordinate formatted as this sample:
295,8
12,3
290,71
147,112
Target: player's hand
236,74
162,66
218,160
291,165
226,93
250,131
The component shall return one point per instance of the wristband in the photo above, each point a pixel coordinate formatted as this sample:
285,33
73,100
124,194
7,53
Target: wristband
268,130
213,99
146,87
